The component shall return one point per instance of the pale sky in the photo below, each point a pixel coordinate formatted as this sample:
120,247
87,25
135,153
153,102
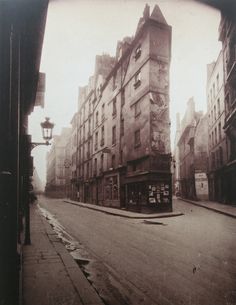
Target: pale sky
78,30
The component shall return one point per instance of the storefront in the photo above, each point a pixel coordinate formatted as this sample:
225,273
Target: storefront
230,183
111,190
149,190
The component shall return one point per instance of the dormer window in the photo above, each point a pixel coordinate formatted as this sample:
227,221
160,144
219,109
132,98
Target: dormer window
137,79
137,52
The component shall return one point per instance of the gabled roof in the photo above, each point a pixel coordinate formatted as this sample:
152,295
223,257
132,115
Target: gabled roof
157,15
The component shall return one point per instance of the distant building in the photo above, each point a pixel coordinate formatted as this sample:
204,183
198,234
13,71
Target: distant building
56,178
227,34
192,154
73,151
68,166
175,164
201,159
123,156
216,135
37,183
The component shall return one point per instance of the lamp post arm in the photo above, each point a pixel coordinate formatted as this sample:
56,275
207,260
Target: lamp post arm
35,144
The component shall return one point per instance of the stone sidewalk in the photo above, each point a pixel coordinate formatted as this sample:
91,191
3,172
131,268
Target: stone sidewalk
225,209
228,210
50,274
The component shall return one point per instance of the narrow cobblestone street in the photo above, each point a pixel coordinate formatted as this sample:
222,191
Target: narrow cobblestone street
187,259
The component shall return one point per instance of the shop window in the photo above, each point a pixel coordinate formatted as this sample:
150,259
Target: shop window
111,188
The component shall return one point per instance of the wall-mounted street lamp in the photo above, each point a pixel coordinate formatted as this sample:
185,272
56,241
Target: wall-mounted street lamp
47,128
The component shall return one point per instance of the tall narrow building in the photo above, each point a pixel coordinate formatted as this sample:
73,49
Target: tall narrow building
124,127
216,135
227,35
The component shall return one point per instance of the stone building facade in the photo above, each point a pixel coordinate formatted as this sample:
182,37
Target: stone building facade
123,156
227,35
192,154
216,135
56,174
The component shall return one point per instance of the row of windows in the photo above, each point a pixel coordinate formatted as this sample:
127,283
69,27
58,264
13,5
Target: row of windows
214,90
137,143
217,158
215,112
215,136
137,54
137,112
88,170
137,109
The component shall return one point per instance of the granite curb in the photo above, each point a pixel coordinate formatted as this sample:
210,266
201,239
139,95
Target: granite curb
123,213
